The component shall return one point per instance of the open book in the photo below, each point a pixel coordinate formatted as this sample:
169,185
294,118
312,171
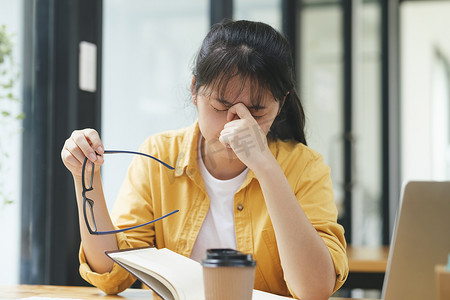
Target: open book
170,275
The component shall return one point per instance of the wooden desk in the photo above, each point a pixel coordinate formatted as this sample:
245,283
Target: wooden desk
367,267
23,291
367,259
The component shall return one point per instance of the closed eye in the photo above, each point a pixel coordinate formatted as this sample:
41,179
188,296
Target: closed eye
256,111
219,110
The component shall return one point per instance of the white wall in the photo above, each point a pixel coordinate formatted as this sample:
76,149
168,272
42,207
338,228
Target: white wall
425,27
11,16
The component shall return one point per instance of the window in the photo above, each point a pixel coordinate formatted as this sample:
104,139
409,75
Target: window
425,90
147,74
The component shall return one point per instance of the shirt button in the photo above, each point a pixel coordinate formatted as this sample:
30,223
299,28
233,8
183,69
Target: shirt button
240,207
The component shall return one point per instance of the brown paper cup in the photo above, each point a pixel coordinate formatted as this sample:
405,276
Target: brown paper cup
225,283
228,274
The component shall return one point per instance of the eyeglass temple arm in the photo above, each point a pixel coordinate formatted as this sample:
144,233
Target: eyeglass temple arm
138,153
133,227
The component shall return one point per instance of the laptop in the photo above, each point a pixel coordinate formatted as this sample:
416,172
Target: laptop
420,241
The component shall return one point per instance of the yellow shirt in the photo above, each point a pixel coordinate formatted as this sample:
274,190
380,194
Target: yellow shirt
150,190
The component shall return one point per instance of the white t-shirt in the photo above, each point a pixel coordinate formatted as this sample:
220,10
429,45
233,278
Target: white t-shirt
217,230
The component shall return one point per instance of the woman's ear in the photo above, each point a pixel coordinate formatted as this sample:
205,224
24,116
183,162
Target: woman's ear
193,92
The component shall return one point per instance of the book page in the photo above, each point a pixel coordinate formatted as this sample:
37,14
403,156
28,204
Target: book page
182,275
171,275
158,284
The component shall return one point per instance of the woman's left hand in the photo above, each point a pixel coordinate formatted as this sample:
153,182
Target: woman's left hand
245,137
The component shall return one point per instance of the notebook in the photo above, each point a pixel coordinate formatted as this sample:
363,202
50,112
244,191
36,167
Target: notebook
421,240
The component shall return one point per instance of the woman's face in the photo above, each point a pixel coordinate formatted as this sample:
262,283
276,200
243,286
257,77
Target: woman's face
213,109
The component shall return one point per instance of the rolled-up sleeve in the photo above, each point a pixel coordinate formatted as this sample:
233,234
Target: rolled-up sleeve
113,282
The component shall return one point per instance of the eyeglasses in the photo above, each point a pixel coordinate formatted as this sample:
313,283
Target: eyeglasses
88,186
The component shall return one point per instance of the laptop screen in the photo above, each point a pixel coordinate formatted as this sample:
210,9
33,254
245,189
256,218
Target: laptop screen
420,241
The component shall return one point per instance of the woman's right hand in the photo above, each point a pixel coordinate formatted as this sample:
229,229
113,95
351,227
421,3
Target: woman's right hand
82,143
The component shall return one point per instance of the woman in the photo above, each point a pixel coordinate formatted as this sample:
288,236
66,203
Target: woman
244,177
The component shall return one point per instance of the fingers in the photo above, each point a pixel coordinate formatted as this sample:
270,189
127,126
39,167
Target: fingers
72,154
225,136
86,143
81,144
238,117
94,140
231,115
238,111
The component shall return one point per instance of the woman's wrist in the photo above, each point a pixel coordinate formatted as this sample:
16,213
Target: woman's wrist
266,166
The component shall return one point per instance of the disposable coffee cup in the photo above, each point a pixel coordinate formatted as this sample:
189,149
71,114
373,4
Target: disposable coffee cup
228,274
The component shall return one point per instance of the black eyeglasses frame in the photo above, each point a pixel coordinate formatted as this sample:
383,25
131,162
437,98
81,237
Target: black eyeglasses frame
90,202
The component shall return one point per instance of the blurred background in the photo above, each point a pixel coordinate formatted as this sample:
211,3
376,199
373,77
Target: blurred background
374,77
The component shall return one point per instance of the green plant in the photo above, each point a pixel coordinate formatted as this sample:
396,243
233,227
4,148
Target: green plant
10,108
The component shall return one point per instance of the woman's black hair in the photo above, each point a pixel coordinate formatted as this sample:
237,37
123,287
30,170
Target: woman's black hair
256,52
